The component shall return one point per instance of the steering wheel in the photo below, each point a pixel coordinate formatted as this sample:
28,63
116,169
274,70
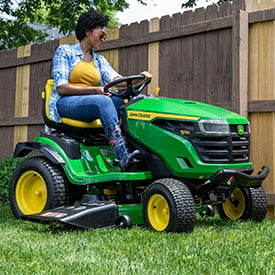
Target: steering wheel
130,90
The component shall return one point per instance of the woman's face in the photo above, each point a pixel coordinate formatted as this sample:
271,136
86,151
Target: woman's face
96,37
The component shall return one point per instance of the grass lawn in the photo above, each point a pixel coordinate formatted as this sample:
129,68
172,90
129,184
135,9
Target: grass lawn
214,247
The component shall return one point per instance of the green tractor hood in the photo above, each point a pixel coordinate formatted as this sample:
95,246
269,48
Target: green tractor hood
193,139
151,108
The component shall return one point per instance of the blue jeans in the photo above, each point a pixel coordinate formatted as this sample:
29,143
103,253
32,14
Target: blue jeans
91,107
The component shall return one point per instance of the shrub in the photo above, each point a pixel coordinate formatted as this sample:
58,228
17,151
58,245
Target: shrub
6,169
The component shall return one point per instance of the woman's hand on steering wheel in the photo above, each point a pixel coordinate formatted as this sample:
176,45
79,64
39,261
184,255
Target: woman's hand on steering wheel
130,90
148,76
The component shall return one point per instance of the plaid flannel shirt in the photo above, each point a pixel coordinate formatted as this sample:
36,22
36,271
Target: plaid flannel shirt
64,60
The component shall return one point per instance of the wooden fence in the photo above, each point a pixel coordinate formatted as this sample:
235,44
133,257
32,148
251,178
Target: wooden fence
261,89
214,55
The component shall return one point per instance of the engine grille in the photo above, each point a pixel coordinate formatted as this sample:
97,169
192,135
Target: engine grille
222,149
212,148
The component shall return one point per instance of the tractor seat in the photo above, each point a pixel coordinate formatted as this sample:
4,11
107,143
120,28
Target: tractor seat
68,125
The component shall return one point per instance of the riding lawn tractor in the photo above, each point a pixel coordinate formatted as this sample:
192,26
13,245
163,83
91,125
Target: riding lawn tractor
194,158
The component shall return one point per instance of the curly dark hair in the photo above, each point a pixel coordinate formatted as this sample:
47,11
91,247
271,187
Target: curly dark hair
89,21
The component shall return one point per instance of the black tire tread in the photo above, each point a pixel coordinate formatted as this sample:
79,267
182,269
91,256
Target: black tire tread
257,205
57,184
184,219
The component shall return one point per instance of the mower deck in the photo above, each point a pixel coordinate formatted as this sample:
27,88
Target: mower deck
92,215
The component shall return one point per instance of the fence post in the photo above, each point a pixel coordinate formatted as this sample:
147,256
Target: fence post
22,94
240,61
153,57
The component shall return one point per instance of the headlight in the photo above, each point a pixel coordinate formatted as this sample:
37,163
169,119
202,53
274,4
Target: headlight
214,127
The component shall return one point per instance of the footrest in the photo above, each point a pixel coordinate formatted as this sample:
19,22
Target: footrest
92,215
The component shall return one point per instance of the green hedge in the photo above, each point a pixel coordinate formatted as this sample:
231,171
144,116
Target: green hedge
7,167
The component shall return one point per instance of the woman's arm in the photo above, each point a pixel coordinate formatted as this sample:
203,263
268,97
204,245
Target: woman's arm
70,89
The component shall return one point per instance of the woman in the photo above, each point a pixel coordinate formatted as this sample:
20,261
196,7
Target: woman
79,76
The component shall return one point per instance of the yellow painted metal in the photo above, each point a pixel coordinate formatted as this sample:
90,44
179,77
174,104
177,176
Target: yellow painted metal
31,193
235,210
148,116
158,212
68,121
157,90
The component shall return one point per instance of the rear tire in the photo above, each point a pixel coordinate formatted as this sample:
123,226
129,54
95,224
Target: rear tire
36,185
246,204
168,206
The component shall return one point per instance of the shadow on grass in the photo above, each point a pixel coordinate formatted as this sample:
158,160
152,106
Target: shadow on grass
202,223
214,221
8,221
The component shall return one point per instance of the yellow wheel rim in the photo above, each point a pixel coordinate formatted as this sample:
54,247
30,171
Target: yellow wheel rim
234,210
31,193
158,212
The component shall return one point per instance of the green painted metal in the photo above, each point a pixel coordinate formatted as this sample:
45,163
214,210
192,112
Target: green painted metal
93,166
134,211
174,149
171,106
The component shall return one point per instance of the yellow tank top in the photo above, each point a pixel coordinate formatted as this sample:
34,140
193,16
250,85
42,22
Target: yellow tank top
85,74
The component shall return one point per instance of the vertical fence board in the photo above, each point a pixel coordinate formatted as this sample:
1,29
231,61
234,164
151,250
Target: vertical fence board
113,55
225,69
187,61
211,59
22,84
133,60
22,93
262,148
252,5
6,56
174,66
34,130
20,134
225,9
238,5
254,140
261,87
40,72
199,61
266,4
164,70
266,61
6,137
253,82
265,143
224,57
7,94
239,62
153,57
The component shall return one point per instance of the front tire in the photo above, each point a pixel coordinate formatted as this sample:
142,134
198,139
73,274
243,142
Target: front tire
36,185
245,204
168,206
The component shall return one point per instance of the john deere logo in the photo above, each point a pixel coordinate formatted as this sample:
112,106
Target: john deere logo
240,130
